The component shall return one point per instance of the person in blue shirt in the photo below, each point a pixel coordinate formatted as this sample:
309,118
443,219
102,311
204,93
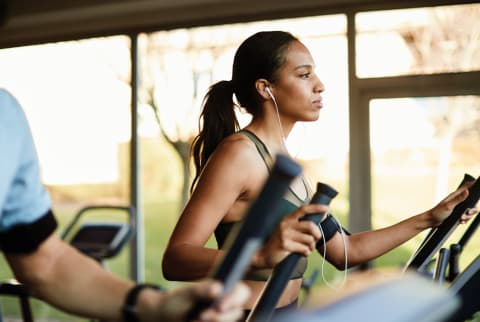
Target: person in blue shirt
54,271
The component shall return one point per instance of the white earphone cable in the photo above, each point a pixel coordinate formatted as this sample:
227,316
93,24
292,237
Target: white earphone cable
342,233
282,133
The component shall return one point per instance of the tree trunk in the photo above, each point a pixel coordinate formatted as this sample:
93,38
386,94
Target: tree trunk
183,150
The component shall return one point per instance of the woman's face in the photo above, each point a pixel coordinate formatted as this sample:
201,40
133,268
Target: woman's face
297,88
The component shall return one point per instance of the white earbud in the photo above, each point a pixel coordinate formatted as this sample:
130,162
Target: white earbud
267,89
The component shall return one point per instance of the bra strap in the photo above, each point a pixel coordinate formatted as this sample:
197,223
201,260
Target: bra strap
261,148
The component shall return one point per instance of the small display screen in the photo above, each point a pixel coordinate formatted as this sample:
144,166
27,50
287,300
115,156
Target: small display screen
96,234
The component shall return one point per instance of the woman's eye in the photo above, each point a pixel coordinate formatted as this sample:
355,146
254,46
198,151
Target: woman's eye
306,75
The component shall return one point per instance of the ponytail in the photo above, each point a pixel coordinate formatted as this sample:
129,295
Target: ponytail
219,121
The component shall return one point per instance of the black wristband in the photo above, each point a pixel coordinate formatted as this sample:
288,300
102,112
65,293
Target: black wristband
128,310
329,229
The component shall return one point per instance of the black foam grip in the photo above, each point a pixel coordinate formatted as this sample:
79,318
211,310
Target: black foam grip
438,236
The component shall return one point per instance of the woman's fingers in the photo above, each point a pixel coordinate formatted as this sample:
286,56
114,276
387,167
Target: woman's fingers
456,197
469,213
296,246
310,209
309,228
294,235
299,236
443,209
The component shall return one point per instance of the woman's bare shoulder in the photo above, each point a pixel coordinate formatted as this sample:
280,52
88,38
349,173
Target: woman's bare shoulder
237,147
235,165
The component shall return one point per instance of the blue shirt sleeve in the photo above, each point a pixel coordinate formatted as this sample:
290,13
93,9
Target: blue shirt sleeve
23,198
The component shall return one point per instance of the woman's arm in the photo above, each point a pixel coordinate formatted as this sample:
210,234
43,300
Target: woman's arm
365,246
226,177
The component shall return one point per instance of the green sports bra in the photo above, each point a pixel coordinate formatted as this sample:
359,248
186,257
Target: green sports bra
288,204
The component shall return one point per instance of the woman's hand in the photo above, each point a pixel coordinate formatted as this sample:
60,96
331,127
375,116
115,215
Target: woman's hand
469,213
291,236
445,207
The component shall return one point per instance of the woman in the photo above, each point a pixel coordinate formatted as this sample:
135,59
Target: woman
273,78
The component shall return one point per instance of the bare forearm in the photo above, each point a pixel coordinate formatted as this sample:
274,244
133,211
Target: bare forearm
188,262
365,246
99,295
70,281
369,245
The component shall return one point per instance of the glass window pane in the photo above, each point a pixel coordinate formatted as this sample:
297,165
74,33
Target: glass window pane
77,100
418,41
77,103
421,148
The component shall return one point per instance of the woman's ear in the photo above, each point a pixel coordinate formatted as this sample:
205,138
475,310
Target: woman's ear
262,87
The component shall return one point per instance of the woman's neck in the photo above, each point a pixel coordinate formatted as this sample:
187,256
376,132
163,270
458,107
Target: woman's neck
271,134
